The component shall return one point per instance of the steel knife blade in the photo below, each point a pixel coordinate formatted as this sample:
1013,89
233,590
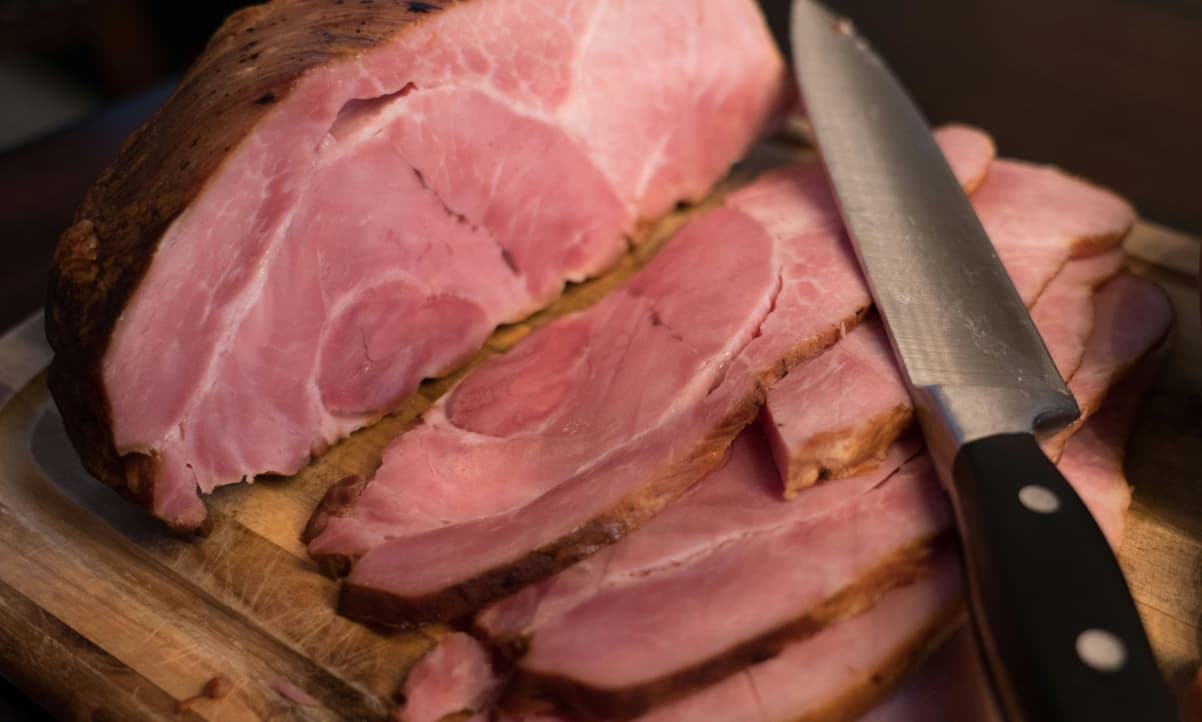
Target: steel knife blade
1058,628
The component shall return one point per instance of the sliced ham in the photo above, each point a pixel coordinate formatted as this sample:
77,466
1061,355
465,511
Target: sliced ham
1140,316
834,674
341,199
872,649
539,457
455,678
736,501
674,586
627,648
1037,218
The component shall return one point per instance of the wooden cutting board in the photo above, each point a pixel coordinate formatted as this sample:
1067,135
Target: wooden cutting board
106,617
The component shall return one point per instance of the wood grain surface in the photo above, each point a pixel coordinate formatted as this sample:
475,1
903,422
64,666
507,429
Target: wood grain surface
104,616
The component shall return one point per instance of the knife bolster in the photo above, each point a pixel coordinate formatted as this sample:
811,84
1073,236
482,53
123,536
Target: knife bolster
953,416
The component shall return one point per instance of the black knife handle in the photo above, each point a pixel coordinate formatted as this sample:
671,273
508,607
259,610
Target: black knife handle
1059,629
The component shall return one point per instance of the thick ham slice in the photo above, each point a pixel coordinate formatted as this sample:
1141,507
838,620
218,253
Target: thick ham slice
873,649
343,198
1037,218
539,457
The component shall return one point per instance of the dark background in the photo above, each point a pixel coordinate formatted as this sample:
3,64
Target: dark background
1108,89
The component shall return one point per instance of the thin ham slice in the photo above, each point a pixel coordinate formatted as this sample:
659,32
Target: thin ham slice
341,199
1140,316
1037,218
455,678
540,457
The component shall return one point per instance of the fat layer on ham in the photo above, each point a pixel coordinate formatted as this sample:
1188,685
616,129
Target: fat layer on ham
343,199
1037,218
539,457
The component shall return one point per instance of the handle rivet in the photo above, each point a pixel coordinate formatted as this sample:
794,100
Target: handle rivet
1101,650
1038,499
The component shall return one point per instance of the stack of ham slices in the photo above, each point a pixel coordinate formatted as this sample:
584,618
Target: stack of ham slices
799,573
701,498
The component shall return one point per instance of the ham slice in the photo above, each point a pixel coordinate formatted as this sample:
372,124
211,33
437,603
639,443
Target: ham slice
1140,316
849,529
455,678
873,649
1037,218
341,199
539,457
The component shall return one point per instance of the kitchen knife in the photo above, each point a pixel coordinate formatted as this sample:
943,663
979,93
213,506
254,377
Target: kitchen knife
1060,633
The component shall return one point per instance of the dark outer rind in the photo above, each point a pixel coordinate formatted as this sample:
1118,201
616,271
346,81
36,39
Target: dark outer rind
456,602
251,64
582,701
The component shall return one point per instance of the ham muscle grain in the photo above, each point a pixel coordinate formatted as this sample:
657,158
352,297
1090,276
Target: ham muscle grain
596,421
343,198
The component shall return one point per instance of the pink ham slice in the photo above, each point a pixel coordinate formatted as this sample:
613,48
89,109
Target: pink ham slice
832,675
341,201
1037,218
455,678
738,500
873,649
539,457
1140,315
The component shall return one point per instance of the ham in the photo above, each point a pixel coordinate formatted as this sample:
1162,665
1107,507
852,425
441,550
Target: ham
872,649
693,597
538,458
1037,218
1140,316
341,199
455,678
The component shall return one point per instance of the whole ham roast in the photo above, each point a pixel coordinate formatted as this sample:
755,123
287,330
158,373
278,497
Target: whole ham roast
341,199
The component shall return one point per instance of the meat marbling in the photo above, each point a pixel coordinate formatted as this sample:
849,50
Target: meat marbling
343,198
539,457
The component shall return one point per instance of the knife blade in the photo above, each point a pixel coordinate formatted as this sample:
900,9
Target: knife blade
1059,630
